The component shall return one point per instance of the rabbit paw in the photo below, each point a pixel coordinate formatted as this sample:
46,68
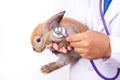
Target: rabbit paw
49,67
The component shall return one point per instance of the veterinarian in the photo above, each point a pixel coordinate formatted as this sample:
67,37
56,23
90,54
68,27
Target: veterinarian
100,46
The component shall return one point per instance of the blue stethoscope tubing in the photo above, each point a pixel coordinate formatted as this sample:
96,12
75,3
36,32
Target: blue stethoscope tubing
107,32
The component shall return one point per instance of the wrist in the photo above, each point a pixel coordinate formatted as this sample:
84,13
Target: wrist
108,50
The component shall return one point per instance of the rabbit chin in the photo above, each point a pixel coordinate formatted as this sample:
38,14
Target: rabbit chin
39,50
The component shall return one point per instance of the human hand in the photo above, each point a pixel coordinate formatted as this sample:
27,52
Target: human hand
63,49
91,44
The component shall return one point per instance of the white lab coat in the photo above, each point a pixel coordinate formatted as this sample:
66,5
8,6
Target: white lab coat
87,12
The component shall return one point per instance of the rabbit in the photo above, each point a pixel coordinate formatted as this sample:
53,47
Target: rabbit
42,38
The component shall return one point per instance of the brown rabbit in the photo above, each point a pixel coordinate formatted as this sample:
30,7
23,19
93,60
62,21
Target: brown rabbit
42,38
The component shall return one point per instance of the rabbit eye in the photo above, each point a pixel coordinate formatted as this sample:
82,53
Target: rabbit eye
38,39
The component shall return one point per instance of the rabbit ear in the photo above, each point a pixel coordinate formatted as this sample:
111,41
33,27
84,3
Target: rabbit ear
55,20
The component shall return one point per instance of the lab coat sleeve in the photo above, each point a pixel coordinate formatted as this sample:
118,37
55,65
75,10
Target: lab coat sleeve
115,53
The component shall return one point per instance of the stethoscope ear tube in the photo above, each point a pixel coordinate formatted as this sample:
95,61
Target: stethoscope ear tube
102,18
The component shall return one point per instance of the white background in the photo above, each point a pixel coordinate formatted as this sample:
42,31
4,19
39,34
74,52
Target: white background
17,59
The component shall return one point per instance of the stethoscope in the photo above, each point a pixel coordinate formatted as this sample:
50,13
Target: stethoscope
59,32
107,32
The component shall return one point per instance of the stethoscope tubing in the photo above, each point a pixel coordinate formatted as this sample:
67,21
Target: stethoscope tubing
107,32
103,19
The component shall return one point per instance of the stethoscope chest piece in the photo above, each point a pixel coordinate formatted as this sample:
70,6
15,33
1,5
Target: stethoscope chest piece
58,32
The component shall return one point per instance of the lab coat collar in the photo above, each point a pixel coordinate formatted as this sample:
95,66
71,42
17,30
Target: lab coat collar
112,11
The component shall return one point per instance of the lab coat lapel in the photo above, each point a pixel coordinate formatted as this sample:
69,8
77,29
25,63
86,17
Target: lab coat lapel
112,11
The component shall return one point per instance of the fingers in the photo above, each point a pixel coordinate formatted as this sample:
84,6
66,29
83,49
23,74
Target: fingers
83,53
75,37
78,44
55,46
63,49
69,48
81,50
